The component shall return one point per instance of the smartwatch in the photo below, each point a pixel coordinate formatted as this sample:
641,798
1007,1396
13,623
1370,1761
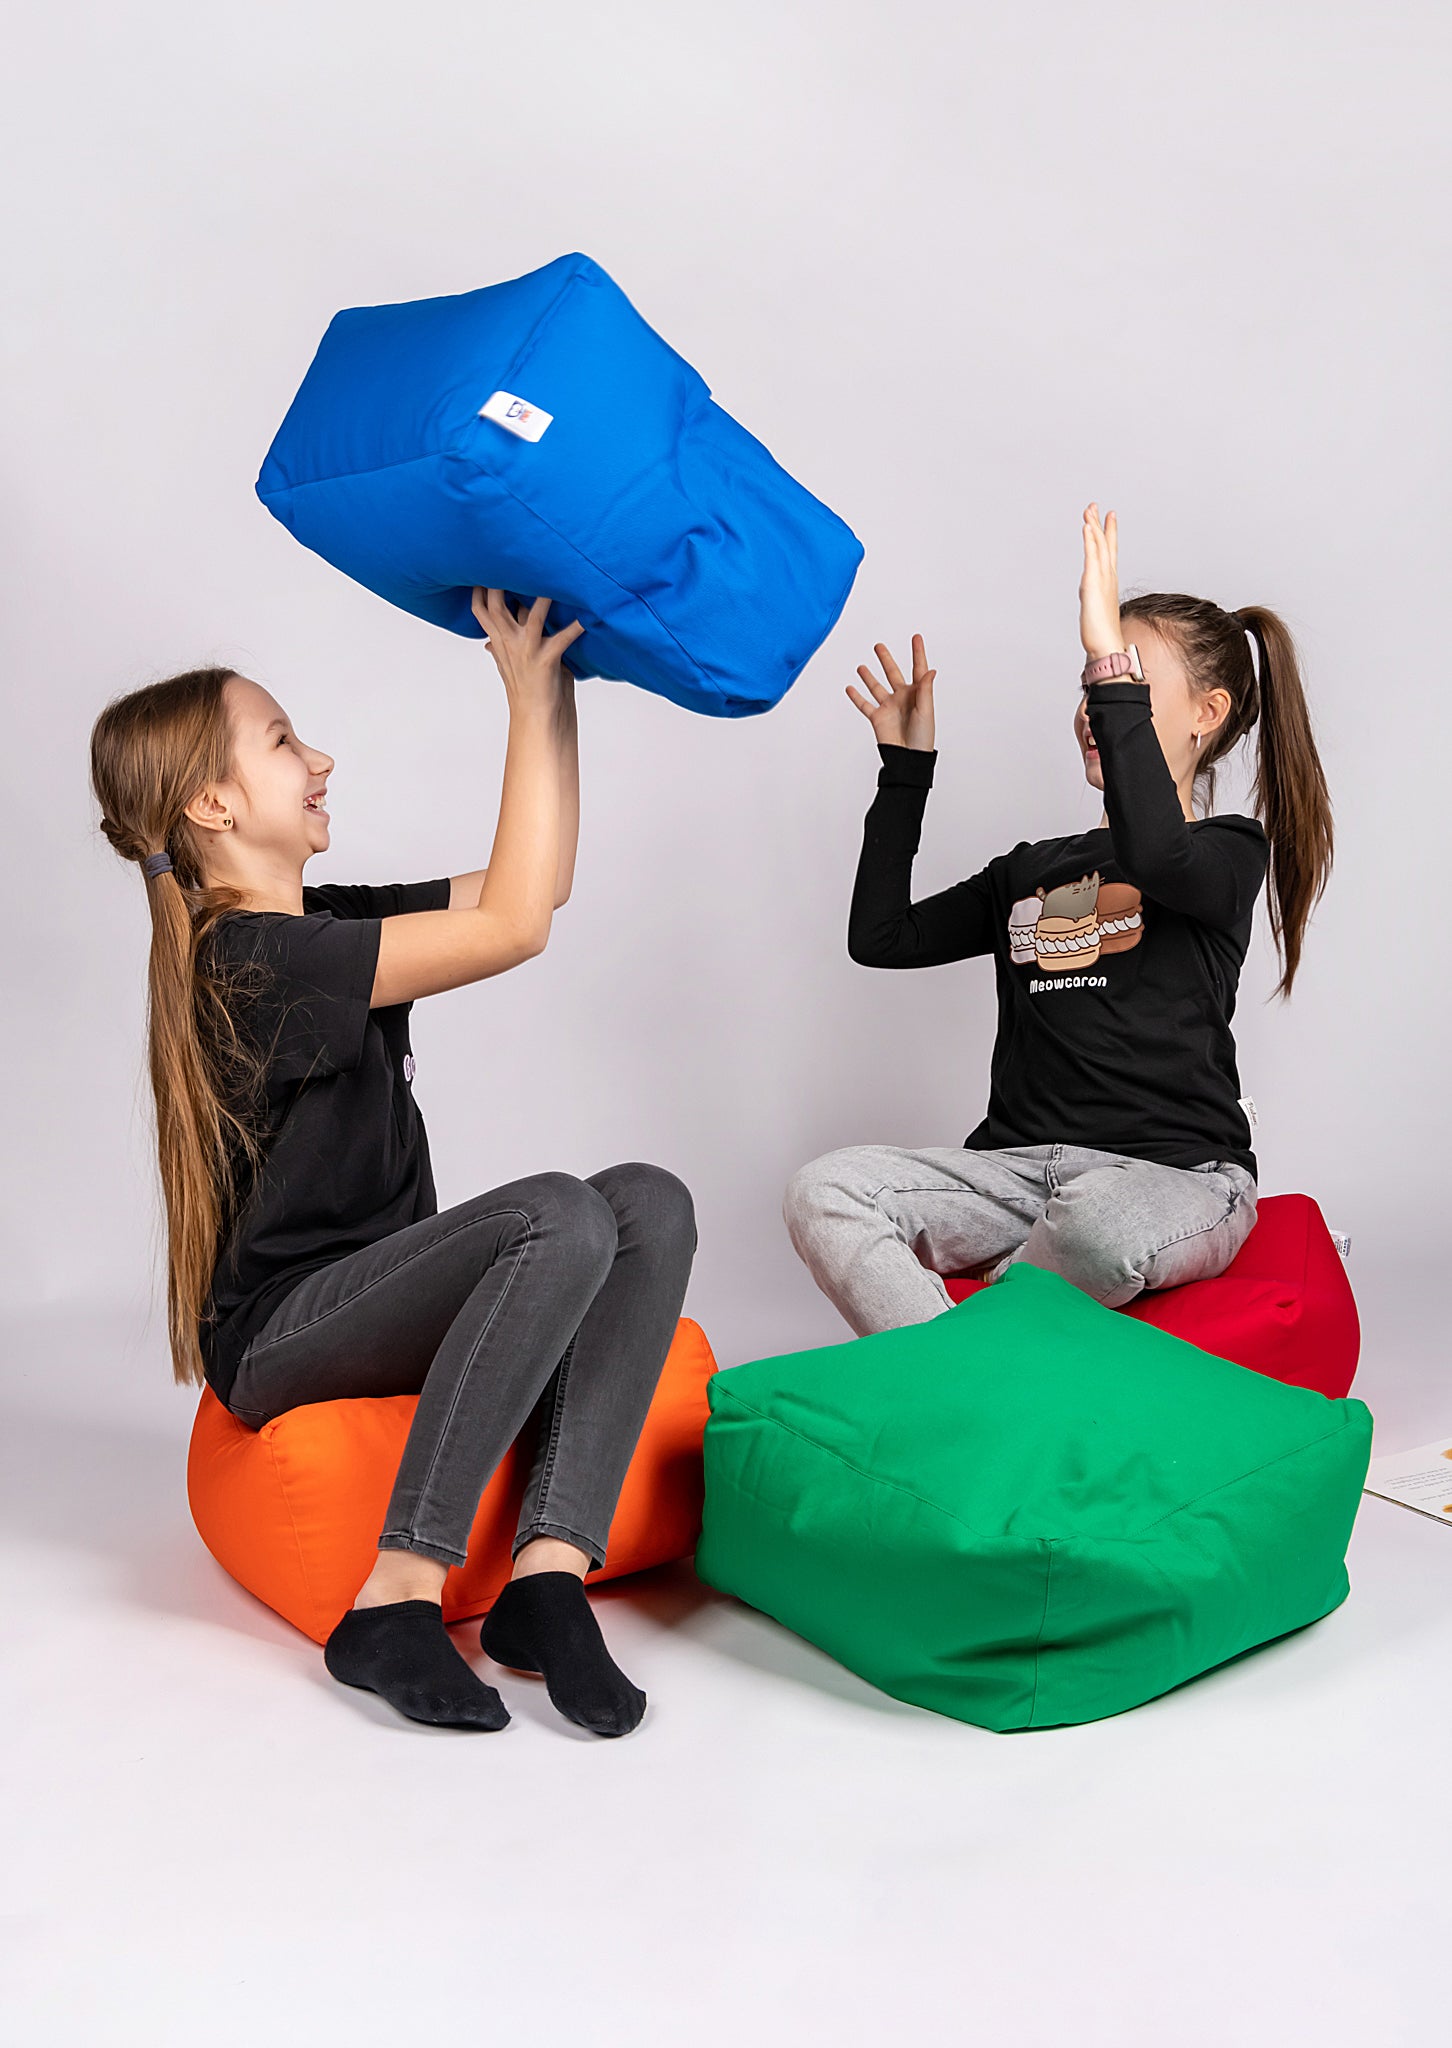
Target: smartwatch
1120,663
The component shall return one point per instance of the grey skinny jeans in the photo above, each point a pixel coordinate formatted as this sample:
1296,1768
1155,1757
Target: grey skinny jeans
877,1225
550,1301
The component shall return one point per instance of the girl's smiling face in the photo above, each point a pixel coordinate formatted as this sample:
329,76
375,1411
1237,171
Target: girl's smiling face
275,795
1178,712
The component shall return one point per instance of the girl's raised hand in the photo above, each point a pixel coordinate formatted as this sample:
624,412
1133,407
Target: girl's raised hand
528,659
900,714
1099,626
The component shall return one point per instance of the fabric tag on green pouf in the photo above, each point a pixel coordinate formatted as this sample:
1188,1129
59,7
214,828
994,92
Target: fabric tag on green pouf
1030,1510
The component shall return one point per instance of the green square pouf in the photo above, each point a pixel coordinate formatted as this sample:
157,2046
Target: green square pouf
1030,1510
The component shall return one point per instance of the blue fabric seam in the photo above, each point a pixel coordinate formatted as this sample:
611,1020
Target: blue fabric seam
615,584
458,455
379,468
345,476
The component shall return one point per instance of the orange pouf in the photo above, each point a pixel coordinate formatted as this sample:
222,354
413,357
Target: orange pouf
293,1510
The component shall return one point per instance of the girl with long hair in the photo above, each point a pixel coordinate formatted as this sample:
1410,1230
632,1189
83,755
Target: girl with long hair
1116,1148
307,1259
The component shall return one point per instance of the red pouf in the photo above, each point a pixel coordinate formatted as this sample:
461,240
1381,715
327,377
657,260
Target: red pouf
1283,1306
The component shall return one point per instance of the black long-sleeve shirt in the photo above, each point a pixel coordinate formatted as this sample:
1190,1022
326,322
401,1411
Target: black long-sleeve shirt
1117,952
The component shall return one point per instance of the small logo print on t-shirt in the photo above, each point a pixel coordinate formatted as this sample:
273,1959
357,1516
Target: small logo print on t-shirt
410,1067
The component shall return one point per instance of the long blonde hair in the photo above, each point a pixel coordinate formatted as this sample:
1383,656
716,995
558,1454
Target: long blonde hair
152,751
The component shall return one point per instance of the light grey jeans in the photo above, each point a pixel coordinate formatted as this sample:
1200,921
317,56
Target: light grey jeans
878,1225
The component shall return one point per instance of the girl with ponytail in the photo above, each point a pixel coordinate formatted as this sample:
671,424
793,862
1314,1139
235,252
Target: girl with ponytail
150,751
307,1258
1116,1148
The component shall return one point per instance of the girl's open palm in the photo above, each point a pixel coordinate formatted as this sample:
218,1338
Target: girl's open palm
1099,626
900,713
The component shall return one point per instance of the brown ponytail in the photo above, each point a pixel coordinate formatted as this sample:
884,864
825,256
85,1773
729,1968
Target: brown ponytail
152,751
1289,794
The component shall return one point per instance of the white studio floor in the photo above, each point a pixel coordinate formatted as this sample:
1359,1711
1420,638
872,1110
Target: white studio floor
209,1843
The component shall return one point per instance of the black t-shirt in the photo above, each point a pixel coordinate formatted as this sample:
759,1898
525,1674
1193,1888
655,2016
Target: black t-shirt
1117,952
346,1158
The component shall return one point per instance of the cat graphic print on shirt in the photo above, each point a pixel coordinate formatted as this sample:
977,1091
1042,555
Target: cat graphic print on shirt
1071,926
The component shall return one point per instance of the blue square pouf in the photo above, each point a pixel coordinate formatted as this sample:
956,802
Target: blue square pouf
539,437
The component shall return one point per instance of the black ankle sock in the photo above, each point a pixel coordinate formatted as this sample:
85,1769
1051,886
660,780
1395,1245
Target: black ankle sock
402,1652
544,1623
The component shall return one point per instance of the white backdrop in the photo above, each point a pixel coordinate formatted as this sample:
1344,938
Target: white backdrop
961,268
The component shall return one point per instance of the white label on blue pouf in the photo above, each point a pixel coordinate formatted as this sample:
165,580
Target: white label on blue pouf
522,418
